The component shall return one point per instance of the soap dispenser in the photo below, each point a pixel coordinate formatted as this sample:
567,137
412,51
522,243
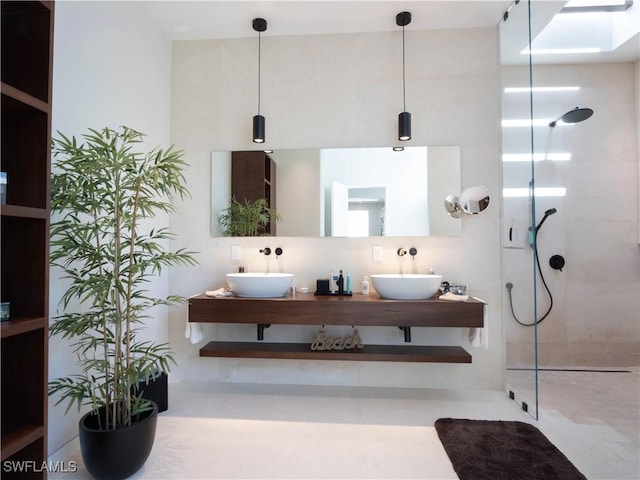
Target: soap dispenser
365,286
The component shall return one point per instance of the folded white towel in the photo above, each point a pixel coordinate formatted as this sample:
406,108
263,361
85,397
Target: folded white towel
479,337
217,293
454,297
193,331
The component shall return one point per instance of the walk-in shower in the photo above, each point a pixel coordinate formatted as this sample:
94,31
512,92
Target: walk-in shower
577,115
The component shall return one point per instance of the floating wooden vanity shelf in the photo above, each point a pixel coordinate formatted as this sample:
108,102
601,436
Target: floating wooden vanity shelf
360,310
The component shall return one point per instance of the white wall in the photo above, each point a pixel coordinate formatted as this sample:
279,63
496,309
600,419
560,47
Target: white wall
596,313
299,203
340,91
403,175
112,67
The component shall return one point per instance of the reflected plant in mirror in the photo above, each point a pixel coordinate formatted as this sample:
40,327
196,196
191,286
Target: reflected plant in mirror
342,192
247,219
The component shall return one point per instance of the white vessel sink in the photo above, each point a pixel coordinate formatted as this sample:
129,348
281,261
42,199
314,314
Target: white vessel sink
261,285
406,287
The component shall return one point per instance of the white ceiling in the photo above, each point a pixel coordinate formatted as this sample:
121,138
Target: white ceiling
189,20
214,19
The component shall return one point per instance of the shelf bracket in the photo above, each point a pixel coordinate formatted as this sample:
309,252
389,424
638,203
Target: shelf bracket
407,333
261,327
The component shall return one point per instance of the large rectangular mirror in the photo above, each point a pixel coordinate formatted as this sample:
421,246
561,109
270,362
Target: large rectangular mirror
347,191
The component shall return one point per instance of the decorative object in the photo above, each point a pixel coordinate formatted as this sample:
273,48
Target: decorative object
102,193
5,311
404,119
259,25
247,219
490,449
3,188
323,342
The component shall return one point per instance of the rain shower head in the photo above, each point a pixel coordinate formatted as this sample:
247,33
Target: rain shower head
573,116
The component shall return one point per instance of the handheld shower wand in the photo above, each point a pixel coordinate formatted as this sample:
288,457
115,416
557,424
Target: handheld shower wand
548,213
509,285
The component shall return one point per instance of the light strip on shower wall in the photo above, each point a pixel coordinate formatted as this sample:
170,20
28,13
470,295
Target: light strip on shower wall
538,192
537,157
540,89
526,122
560,51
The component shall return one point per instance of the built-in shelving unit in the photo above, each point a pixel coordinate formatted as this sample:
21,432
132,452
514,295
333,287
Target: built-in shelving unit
253,176
26,70
357,310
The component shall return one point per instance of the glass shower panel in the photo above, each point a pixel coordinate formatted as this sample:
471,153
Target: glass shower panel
519,199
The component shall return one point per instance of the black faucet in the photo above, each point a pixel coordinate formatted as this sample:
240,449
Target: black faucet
266,251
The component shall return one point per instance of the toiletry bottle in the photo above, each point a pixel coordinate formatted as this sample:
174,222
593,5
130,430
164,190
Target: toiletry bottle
365,286
333,281
348,286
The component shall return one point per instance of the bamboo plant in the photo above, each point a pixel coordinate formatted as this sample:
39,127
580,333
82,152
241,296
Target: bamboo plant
248,219
102,192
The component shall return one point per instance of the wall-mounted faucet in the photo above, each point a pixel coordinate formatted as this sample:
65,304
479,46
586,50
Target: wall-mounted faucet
413,251
266,251
279,252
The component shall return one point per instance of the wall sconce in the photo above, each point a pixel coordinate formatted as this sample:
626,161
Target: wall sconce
472,200
404,119
259,25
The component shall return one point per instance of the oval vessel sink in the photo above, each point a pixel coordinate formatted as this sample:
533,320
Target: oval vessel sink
261,285
412,286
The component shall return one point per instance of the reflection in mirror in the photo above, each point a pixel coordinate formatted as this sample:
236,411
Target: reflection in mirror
475,199
354,191
452,206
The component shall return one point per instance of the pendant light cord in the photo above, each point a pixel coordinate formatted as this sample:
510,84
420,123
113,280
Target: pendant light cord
404,95
259,69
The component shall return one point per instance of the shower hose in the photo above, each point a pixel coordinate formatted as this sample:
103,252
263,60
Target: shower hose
544,282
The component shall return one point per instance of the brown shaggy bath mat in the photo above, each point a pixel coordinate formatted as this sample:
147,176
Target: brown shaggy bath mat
493,450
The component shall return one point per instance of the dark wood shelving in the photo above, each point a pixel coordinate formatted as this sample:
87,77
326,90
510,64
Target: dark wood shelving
358,309
16,326
21,99
25,87
253,176
364,310
24,212
16,440
370,353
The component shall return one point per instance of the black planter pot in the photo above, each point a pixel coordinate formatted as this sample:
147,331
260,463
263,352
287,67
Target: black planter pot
116,454
155,390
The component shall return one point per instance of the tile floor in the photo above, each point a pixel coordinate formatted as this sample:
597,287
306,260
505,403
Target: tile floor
234,431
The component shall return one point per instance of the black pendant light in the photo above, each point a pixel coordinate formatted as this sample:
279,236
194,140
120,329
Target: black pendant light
404,119
259,25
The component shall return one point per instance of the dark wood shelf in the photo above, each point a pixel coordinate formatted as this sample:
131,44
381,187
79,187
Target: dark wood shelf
20,97
18,326
370,353
358,309
16,440
308,309
24,212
